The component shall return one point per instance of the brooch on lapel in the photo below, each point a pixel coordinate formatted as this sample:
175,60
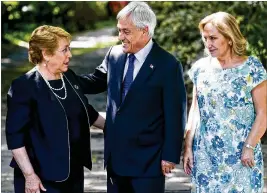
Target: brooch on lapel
151,66
76,86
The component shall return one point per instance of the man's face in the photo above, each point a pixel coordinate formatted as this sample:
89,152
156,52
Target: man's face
133,39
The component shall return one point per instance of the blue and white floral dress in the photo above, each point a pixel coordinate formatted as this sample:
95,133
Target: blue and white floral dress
226,117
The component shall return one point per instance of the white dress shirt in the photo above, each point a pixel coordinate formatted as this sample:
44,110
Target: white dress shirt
140,58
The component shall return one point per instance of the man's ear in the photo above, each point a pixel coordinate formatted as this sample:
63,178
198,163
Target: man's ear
145,30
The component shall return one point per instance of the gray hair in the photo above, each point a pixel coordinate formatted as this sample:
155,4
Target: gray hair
141,15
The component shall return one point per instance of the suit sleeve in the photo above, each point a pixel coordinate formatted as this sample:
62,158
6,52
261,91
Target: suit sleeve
96,82
174,102
18,113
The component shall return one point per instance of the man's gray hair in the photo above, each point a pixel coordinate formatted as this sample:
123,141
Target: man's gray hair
141,15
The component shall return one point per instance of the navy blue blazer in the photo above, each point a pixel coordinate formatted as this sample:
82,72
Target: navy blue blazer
37,120
148,126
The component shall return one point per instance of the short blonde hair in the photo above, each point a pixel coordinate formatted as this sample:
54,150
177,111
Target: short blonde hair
45,37
227,25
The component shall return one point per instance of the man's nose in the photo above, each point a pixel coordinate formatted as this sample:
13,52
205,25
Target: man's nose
121,36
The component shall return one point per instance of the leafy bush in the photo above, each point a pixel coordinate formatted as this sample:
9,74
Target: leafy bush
177,28
72,16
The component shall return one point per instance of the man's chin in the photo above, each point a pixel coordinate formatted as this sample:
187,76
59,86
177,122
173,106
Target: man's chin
125,50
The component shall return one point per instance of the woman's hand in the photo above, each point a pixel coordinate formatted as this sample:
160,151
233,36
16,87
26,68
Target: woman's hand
247,157
188,160
33,184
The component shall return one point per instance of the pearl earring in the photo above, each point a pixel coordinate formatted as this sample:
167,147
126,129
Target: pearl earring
230,43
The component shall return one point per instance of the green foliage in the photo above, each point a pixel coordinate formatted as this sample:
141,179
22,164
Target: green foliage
177,28
8,74
72,16
178,32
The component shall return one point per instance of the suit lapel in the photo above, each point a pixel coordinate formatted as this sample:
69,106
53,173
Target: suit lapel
76,88
146,70
120,70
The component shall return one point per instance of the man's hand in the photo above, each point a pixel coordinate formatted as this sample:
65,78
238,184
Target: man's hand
167,167
33,184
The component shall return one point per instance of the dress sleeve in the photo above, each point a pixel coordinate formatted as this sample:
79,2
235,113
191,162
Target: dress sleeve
18,113
192,73
257,73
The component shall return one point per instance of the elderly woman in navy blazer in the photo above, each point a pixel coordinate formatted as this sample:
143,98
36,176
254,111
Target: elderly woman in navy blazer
48,119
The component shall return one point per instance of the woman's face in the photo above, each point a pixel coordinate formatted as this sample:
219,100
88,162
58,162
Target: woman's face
59,62
215,42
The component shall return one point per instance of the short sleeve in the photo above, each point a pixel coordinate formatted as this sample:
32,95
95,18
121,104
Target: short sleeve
190,73
193,72
257,73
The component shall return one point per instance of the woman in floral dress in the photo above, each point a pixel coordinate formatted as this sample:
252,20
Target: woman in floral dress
228,114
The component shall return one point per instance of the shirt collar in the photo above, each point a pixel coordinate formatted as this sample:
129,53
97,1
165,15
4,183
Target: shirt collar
142,54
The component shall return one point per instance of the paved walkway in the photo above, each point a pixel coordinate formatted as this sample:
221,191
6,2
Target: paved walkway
95,180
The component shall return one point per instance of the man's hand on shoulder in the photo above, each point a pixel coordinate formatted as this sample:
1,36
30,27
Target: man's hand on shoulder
167,167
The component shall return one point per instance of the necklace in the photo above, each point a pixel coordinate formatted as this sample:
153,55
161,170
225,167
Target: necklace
63,83
52,89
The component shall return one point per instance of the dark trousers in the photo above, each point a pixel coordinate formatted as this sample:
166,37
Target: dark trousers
123,184
74,184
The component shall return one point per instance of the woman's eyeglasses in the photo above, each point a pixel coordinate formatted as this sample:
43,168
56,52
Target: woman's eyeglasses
64,51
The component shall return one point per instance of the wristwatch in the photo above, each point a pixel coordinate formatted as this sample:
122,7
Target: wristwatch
249,146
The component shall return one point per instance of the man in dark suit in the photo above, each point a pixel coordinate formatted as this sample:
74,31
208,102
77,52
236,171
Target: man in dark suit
146,105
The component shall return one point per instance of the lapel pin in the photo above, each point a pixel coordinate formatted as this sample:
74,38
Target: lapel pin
76,87
151,66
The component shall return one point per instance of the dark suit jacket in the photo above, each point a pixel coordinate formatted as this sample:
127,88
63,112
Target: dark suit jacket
148,126
37,120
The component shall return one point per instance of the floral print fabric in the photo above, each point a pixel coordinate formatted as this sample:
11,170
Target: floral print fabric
226,117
